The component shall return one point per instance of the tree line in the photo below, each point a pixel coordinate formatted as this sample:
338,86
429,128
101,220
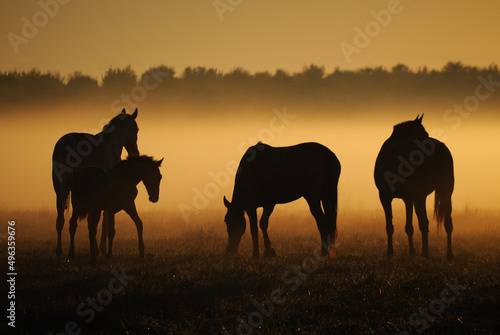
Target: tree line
196,85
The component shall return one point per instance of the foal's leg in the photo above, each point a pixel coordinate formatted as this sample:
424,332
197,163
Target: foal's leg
111,231
423,224
252,216
264,223
409,224
389,227
132,212
92,221
73,223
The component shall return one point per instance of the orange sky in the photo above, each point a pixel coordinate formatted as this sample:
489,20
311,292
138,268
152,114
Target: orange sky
90,36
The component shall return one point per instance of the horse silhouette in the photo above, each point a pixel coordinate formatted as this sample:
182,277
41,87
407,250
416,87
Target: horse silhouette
268,176
75,151
410,166
113,190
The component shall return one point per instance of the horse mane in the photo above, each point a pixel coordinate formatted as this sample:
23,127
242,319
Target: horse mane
401,130
132,159
117,119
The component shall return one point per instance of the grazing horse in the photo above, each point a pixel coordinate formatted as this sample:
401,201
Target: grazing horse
75,151
95,190
410,166
268,176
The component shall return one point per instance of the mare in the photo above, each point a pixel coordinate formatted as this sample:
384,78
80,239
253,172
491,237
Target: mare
75,151
410,166
268,176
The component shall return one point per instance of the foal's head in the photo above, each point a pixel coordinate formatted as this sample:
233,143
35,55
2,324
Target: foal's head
152,178
410,129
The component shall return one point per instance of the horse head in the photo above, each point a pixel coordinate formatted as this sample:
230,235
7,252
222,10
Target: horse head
236,225
410,129
123,129
151,180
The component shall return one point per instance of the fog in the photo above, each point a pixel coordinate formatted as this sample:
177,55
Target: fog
201,153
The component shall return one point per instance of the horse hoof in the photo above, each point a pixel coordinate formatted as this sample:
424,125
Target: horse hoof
58,252
449,257
412,253
256,255
270,252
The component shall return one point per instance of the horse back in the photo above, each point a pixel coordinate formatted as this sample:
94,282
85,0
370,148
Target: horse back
89,187
416,166
75,151
283,174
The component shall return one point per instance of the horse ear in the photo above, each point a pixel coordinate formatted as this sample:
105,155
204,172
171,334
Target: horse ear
421,118
226,203
159,162
123,111
134,115
416,119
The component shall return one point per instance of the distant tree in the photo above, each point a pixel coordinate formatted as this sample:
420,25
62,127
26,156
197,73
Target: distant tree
400,69
119,80
80,83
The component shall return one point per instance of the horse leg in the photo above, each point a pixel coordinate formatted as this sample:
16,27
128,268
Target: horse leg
92,221
104,233
448,225
389,227
73,223
319,216
330,208
423,224
111,232
264,223
61,199
132,212
252,216
409,224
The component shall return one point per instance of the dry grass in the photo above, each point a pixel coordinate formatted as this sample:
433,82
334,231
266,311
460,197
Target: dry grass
188,285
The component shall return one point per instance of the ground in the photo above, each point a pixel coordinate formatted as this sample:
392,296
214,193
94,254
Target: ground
187,284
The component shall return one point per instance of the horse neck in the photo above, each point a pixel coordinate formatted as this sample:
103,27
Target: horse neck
114,141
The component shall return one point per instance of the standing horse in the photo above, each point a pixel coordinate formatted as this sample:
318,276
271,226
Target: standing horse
268,176
113,190
410,166
74,151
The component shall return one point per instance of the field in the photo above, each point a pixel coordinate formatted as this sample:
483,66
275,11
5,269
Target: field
188,285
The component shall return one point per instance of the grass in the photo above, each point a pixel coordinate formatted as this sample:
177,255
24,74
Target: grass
188,285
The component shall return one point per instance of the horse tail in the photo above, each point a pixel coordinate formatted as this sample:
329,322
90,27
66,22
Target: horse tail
442,195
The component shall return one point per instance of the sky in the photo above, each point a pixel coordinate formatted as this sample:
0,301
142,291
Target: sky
259,35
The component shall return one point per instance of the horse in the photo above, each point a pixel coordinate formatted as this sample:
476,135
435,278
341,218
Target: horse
74,151
410,166
268,176
113,190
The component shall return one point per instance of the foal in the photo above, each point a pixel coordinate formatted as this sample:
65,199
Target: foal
95,190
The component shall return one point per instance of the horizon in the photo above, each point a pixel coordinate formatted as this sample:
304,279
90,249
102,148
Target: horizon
56,35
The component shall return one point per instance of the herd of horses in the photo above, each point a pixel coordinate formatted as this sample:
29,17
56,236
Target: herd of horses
409,166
